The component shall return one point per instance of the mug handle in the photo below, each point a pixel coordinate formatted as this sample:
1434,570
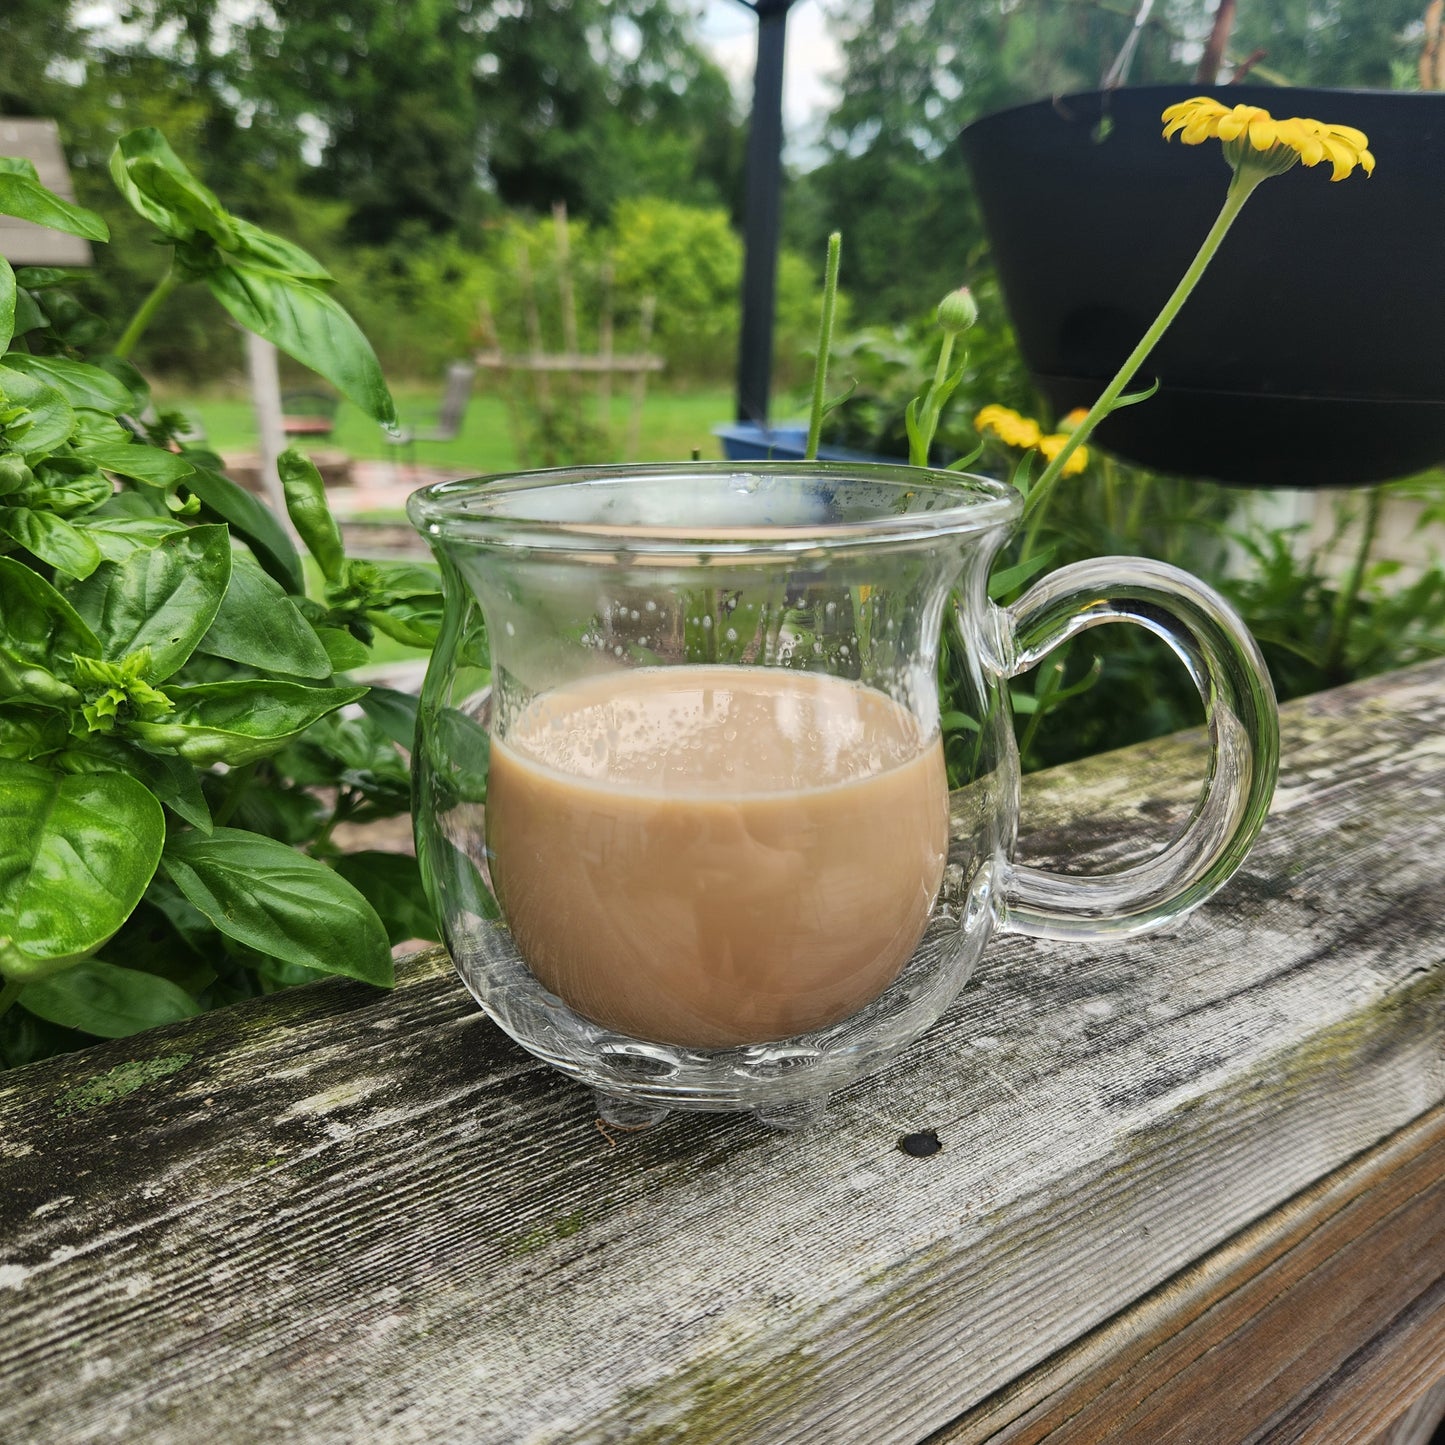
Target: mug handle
1209,638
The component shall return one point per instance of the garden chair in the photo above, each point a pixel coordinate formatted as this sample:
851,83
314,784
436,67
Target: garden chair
308,413
455,395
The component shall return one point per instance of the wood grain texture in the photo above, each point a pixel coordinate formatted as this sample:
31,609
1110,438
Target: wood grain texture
1321,1323
334,1214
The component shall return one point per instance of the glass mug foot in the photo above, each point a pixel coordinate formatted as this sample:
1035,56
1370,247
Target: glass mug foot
699,825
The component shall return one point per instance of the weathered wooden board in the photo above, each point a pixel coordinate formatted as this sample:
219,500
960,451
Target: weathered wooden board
335,1215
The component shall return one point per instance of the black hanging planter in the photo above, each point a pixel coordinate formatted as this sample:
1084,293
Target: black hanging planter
1312,353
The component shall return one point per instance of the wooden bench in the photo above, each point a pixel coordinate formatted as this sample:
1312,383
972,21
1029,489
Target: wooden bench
1190,1188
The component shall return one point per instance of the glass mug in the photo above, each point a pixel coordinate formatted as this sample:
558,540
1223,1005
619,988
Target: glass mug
682,794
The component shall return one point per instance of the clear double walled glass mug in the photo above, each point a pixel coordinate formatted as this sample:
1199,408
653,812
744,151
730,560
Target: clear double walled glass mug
682,783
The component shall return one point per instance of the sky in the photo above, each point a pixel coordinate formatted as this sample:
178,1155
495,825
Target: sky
729,30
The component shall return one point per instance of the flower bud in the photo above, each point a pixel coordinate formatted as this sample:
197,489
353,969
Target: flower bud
958,311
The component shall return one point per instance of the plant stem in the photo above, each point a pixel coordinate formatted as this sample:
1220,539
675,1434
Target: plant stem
1349,595
929,412
1240,188
8,994
825,344
146,313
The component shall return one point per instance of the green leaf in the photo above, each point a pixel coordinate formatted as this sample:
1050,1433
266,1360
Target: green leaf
68,486
55,541
307,324
190,206
238,722
28,733
79,383
107,1001
173,780
151,465
279,255
41,278
163,598
343,650
391,883
23,196
139,156
309,511
280,902
1133,398
8,295
1006,579
50,418
28,314
41,629
414,622
394,713
257,624
76,854
118,537
125,373
253,523
19,166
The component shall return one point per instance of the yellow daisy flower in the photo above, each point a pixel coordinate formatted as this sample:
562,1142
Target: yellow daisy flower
1008,426
1051,446
1251,134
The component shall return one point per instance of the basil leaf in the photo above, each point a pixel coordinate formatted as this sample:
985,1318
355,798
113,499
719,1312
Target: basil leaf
259,625
54,540
23,196
79,383
414,622
151,465
252,243
41,628
98,429
107,1001
238,722
190,206
76,854
19,166
391,883
163,598
394,713
125,373
139,158
8,296
50,418
308,324
280,902
118,537
28,314
170,778
253,523
27,733
309,512
343,649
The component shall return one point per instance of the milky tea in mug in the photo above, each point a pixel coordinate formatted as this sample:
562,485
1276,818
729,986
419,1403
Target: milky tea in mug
681,800
713,855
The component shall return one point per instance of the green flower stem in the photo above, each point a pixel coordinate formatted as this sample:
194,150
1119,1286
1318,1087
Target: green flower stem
144,316
1244,182
1349,595
8,994
929,412
825,344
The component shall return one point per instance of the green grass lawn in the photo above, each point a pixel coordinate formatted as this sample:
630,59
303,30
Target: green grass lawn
673,423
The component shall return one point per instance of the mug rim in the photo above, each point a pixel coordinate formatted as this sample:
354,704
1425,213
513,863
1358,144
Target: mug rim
459,509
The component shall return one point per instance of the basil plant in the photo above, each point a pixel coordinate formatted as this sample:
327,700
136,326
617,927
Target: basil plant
178,735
